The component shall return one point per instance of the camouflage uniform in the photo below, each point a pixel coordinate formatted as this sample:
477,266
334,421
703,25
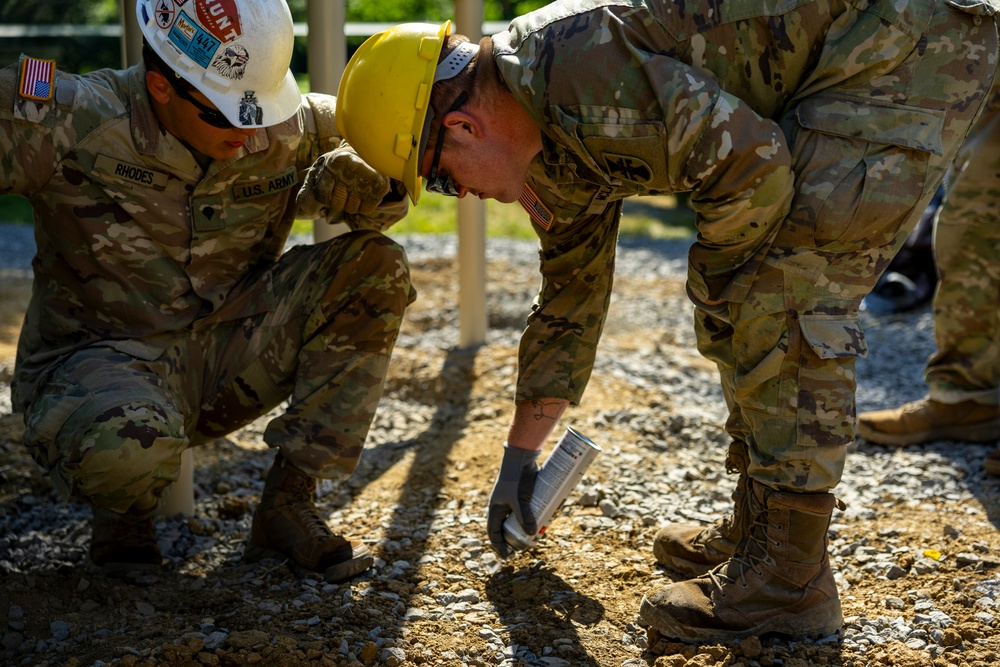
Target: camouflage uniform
966,365
812,136
164,312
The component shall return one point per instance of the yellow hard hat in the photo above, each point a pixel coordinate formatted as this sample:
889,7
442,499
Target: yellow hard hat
384,97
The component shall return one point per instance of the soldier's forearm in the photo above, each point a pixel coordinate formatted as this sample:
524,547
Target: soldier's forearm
534,421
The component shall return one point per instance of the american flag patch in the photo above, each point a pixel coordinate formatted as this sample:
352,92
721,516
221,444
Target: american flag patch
535,208
37,78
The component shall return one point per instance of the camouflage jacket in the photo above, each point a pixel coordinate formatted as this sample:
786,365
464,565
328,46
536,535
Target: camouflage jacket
647,97
135,240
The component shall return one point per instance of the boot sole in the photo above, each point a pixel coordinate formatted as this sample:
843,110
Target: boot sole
361,561
981,432
822,620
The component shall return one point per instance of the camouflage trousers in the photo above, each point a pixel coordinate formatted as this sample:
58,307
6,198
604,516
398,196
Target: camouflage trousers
786,352
966,365
111,426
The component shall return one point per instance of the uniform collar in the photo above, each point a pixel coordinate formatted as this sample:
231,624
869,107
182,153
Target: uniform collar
144,125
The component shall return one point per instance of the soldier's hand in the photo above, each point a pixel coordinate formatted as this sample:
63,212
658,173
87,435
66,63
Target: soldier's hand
341,182
512,495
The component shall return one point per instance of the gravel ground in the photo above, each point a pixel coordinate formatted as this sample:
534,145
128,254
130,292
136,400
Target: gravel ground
916,553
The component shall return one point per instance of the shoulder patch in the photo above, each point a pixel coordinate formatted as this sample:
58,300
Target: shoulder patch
535,208
37,79
628,168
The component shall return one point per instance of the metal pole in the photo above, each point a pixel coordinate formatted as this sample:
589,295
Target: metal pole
327,52
131,34
472,315
178,498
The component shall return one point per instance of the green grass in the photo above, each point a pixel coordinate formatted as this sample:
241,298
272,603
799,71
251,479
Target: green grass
646,217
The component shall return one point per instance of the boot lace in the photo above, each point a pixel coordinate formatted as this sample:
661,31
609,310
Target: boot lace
313,523
302,488
752,557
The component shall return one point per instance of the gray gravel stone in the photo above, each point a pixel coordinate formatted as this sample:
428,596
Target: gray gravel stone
42,536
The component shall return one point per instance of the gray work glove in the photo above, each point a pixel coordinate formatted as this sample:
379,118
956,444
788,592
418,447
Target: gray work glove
340,182
512,495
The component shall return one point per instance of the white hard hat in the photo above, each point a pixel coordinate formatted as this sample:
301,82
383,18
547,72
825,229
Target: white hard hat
236,52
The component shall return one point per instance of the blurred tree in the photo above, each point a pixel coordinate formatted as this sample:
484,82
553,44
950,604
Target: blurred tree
76,54
396,11
86,53
497,10
46,11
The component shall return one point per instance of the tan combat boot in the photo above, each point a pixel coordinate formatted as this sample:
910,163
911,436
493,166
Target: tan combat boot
287,524
123,543
778,581
926,420
694,550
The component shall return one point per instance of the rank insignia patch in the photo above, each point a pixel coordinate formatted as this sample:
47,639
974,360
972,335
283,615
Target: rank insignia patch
535,208
37,79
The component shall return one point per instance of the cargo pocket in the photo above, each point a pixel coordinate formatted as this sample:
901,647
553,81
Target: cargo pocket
834,336
861,170
48,413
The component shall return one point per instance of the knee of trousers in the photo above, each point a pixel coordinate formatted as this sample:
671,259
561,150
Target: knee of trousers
377,264
117,455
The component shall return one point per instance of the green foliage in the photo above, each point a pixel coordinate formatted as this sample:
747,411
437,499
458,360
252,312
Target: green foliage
45,11
15,208
398,11
497,10
76,54
84,54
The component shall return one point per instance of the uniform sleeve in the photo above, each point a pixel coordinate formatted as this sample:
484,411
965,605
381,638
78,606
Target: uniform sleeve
559,344
27,150
742,185
322,137
321,128
685,135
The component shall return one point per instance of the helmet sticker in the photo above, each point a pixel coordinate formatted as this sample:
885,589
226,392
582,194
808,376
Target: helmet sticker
231,61
250,111
192,40
221,18
164,13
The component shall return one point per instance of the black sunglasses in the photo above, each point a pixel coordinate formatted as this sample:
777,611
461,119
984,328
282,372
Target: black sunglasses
442,183
213,117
